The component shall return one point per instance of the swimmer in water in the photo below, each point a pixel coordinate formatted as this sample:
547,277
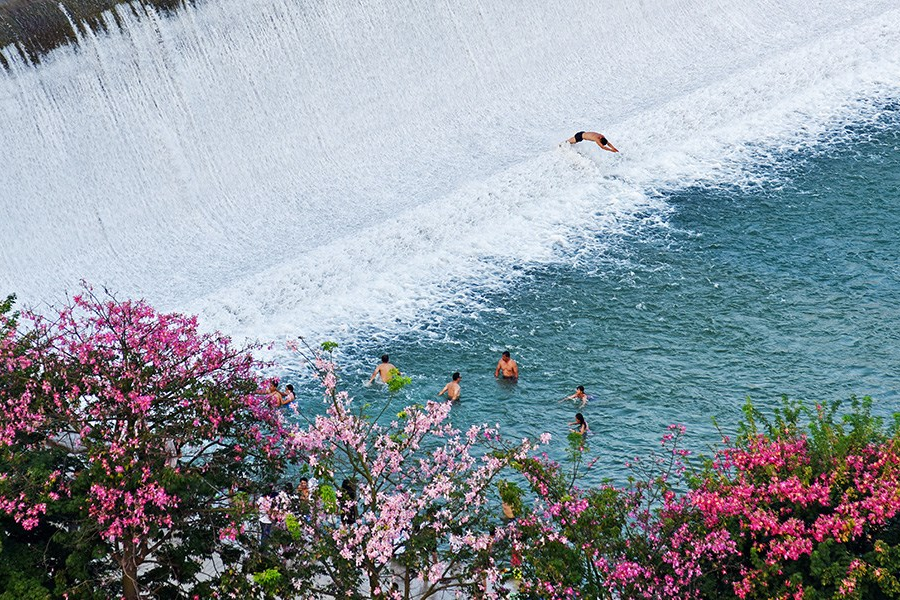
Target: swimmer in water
384,370
580,424
579,395
288,395
275,394
593,136
508,367
452,388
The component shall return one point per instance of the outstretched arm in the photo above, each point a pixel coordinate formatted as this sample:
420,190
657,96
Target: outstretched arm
441,393
374,373
608,147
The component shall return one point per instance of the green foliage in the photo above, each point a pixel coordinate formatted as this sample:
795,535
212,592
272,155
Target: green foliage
575,452
546,474
6,308
268,580
512,495
22,587
601,527
776,466
329,347
831,431
293,526
329,499
882,575
22,577
23,565
397,381
575,442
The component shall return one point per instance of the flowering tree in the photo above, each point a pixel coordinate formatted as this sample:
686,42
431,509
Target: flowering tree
638,541
400,507
814,511
20,574
136,436
784,511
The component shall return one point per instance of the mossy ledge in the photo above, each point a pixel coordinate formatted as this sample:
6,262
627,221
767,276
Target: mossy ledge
36,27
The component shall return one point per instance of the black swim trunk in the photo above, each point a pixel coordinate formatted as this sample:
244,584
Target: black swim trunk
578,136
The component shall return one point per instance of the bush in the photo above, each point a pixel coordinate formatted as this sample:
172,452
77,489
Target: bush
803,505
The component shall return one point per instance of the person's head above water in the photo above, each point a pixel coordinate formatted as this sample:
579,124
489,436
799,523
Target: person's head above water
580,418
385,358
456,376
580,388
506,354
289,388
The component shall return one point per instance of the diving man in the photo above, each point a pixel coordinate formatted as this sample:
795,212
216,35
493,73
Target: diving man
593,136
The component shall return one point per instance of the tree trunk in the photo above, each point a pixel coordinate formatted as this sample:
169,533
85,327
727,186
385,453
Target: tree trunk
129,577
375,584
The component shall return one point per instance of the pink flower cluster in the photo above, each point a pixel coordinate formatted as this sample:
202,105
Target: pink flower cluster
121,511
416,476
132,399
766,493
762,505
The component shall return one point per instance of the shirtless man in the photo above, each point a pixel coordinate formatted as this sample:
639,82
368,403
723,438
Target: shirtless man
508,366
593,136
384,370
452,388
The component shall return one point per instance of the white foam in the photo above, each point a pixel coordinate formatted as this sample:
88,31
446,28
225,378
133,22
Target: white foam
410,269
288,167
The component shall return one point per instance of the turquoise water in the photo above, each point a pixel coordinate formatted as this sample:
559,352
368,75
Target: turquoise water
791,286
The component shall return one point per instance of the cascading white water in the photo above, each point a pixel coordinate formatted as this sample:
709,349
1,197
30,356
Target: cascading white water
308,166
